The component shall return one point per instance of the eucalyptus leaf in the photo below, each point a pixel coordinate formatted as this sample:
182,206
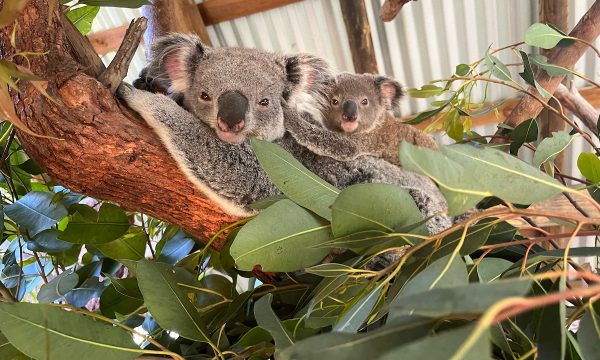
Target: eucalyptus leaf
550,147
426,115
525,132
9,352
83,17
452,168
474,298
589,332
543,36
294,179
551,69
36,212
281,238
376,207
166,301
266,319
90,227
330,270
353,318
497,67
49,332
426,91
58,287
122,297
133,4
131,246
589,166
442,273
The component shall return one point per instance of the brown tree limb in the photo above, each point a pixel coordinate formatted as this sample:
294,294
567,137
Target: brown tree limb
588,30
390,9
106,151
572,100
117,69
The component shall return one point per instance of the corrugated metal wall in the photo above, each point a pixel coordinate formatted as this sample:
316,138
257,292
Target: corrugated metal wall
425,42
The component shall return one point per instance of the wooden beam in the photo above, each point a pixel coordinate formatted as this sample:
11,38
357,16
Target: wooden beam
591,94
216,11
359,36
556,13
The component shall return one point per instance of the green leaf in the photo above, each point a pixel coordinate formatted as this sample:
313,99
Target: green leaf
47,241
551,329
443,346
266,319
122,297
330,270
474,298
452,168
589,166
167,303
360,346
82,18
58,287
462,69
426,91
281,238
551,69
132,4
294,180
49,332
131,246
589,332
352,319
550,147
325,288
497,67
378,207
453,125
543,36
90,227
36,212
490,269
9,352
529,77
426,115
435,275
525,132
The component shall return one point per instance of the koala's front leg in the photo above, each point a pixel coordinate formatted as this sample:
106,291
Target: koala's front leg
322,141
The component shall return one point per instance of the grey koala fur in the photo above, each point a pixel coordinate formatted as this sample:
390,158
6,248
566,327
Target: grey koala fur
224,166
373,131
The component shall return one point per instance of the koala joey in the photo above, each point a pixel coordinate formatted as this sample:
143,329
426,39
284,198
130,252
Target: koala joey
230,94
359,117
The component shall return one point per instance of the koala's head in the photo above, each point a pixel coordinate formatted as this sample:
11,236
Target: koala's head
236,91
358,103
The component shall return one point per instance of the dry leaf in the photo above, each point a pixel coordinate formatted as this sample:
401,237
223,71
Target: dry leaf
10,11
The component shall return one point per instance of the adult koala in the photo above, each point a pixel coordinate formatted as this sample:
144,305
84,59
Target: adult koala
231,94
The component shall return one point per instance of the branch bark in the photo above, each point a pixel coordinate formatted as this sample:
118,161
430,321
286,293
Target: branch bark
390,9
588,30
572,100
106,151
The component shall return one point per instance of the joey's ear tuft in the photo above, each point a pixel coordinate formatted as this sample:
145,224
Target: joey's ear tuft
308,79
174,60
390,91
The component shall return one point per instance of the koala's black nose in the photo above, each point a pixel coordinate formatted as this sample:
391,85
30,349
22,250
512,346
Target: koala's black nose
232,110
349,110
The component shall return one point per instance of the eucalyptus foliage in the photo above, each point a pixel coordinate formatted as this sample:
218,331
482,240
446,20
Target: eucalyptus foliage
320,272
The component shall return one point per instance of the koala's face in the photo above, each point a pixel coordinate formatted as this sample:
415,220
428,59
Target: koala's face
240,92
359,103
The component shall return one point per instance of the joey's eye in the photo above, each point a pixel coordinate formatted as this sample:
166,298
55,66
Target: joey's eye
335,101
204,96
364,101
264,102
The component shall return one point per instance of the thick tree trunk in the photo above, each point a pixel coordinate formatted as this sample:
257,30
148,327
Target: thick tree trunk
106,151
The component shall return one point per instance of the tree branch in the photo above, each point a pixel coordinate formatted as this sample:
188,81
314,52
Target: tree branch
572,100
106,151
390,9
588,30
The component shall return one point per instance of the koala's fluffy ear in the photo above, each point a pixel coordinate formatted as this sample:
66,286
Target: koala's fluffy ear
308,79
174,60
390,91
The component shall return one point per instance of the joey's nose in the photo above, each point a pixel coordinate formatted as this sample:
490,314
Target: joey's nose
232,111
349,111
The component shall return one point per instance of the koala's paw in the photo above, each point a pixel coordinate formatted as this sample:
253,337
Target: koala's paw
125,92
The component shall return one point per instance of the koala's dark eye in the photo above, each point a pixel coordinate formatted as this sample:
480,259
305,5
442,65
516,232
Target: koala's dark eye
204,96
335,101
264,102
364,102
